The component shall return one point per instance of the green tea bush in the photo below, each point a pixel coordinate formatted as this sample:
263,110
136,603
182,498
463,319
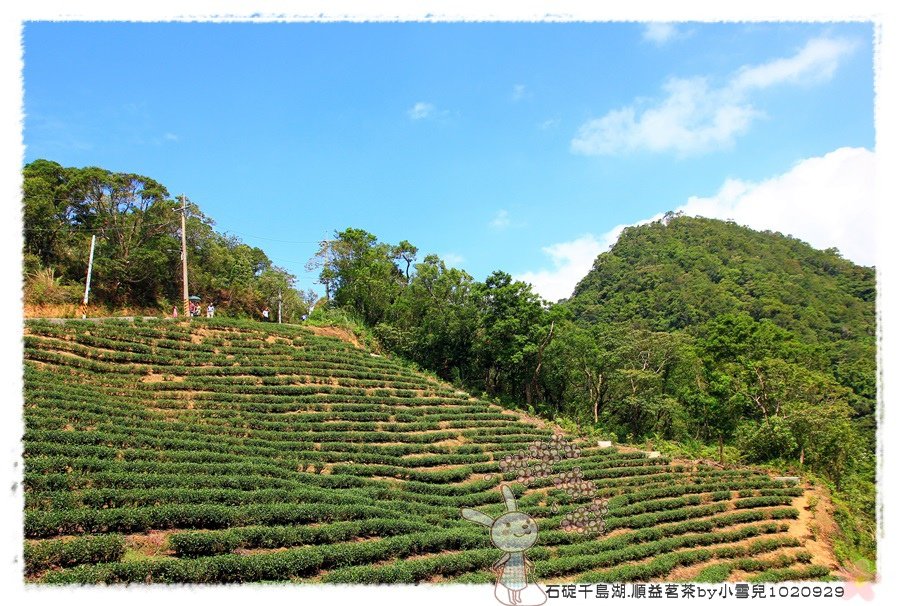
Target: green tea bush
248,437
43,555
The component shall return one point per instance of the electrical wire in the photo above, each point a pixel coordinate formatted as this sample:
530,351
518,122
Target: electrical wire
276,240
100,230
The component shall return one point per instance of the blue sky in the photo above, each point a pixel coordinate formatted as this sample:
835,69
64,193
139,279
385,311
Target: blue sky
522,147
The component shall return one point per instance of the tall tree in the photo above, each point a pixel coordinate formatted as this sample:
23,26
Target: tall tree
360,272
48,211
405,252
433,321
511,318
133,220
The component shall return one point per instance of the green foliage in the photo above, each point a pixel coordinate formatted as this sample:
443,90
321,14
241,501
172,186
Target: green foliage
360,273
683,271
198,544
299,562
339,464
346,319
764,440
741,345
489,336
780,575
44,287
43,555
138,249
434,320
717,573
689,336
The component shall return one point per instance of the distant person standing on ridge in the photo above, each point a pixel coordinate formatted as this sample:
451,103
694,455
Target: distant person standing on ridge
210,311
266,314
175,312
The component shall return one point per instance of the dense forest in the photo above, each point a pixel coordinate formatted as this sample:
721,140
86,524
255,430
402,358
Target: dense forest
749,302
693,332
137,261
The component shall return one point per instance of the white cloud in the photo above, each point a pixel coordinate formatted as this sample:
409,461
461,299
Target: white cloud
501,220
519,92
452,259
420,111
826,201
692,118
695,116
548,124
660,33
816,62
571,262
170,137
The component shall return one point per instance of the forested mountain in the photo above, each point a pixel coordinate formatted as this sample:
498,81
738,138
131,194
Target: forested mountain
778,337
745,296
683,271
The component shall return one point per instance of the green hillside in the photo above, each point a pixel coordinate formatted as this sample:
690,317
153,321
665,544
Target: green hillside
226,451
768,316
754,337
684,271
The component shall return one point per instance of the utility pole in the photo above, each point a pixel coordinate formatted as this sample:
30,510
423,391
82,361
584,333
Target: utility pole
279,306
87,285
184,280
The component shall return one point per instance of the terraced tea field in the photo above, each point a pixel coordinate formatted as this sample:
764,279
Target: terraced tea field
235,452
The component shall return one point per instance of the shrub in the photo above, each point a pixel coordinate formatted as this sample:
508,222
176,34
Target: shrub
765,440
42,555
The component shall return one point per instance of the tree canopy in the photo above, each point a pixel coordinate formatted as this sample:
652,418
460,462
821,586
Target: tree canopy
137,261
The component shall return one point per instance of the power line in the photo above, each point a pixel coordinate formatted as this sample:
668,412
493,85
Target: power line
274,239
290,261
98,230
101,230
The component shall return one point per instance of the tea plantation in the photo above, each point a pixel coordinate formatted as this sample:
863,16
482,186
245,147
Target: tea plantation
223,451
